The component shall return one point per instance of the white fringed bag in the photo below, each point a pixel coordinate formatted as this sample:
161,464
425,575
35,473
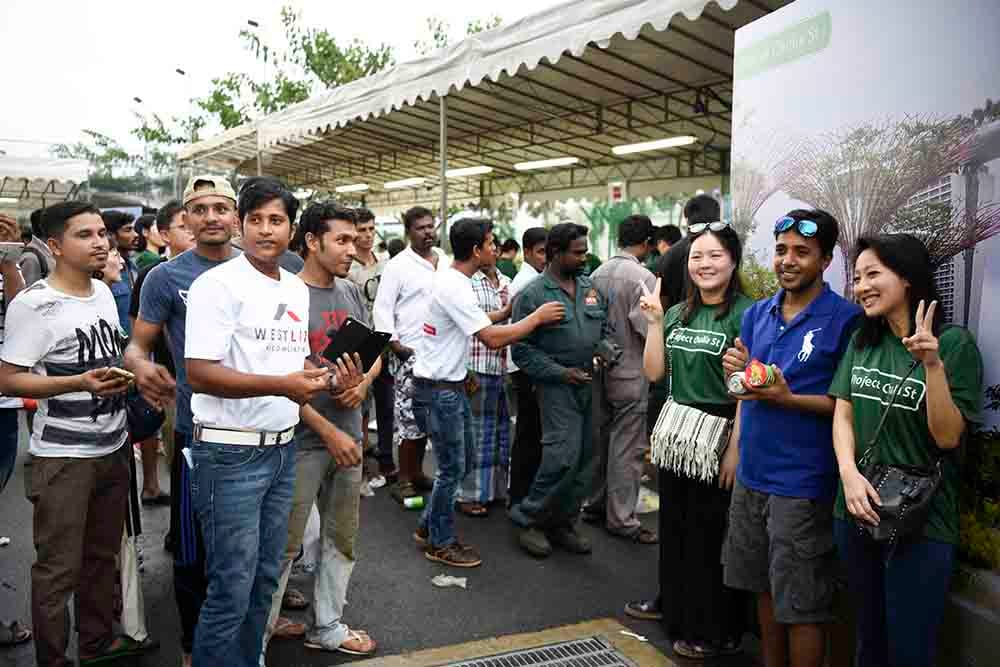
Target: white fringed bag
688,441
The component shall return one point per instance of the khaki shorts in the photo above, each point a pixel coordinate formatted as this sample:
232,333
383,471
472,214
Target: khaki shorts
783,546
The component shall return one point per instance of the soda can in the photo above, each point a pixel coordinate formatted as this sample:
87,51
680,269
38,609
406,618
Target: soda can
735,384
414,502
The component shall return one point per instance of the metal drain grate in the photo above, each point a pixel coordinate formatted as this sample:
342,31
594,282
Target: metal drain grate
589,652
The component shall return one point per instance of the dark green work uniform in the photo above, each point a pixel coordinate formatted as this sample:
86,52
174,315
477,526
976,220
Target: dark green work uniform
567,467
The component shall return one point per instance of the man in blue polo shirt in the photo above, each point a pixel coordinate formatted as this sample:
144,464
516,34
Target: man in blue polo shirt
780,539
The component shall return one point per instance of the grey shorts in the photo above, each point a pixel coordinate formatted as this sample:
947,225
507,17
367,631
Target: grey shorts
783,546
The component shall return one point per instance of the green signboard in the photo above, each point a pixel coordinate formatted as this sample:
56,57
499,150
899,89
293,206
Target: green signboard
809,36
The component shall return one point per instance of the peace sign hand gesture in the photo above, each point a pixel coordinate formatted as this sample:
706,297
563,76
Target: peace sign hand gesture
650,304
923,344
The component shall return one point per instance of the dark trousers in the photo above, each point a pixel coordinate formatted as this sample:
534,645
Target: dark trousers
79,516
190,582
697,606
900,604
382,390
526,450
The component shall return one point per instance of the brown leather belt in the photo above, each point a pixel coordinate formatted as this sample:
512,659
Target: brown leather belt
455,385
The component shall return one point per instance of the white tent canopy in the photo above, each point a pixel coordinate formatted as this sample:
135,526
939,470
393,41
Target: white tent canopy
569,27
574,81
36,182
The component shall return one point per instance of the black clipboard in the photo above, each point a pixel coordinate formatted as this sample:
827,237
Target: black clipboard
356,337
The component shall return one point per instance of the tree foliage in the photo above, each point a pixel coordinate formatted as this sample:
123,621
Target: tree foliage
440,32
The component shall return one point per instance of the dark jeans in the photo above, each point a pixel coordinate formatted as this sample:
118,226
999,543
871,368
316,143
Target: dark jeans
190,584
444,415
243,497
382,391
8,444
526,449
79,518
900,604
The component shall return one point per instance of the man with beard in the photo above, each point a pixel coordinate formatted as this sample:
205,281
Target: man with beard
780,539
559,359
328,460
62,337
121,230
209,215
401,310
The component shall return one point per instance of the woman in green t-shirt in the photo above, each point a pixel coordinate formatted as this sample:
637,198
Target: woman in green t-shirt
901,601
703,616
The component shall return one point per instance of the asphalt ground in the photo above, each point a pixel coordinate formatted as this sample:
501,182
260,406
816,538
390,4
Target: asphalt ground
391,595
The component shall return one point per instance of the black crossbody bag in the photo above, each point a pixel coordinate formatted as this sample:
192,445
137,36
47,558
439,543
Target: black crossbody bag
906,491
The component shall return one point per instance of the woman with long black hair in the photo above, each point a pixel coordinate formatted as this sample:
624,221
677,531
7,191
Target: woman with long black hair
928,379
705,618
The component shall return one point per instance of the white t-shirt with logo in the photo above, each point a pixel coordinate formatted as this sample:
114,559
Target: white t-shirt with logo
58,334
452,316
252,324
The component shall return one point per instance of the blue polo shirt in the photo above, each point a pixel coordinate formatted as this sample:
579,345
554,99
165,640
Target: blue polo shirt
787,452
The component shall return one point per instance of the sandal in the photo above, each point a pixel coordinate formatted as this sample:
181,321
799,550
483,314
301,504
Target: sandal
159,499
643,536
121,647
294,600
473,509
704,650
13,633
363,644
286,628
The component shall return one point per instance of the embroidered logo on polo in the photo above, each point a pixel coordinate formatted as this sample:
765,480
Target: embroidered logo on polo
807,345
875,385
697,340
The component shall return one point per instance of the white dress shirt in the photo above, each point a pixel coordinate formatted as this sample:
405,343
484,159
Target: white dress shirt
404,296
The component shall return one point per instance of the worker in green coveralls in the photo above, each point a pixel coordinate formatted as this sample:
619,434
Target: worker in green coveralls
559,359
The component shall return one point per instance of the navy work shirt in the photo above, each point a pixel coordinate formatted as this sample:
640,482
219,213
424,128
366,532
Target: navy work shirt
789,452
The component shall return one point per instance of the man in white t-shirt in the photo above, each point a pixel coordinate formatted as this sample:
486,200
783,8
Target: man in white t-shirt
246,343
440,403
62,335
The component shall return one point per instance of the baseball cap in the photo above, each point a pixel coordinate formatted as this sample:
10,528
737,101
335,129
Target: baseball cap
208,185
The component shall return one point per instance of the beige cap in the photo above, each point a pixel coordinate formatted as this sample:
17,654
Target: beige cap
208,185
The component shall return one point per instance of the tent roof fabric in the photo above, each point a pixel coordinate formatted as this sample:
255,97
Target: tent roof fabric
574,80
36,182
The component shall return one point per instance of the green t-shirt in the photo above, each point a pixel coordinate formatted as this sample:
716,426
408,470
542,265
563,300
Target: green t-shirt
867,378
507,267
146,258
695,351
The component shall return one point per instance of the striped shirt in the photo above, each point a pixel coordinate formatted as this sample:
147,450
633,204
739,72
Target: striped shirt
5,401
481,358
57,334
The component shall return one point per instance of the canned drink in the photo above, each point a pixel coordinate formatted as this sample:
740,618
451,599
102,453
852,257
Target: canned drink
759,374
735,384
414,502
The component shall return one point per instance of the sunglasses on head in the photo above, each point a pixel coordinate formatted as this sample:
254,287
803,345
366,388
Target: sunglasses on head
716,226
806,228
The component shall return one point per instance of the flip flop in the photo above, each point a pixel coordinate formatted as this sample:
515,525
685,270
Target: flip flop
159,499
126,647
13,633
294,600
473,509
352,635
286,628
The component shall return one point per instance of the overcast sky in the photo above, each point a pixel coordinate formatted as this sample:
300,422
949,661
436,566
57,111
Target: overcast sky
69,66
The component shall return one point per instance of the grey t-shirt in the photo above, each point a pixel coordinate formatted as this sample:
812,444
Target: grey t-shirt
163,300
329,307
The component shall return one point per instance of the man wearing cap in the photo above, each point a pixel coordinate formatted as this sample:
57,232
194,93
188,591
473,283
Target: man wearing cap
210,206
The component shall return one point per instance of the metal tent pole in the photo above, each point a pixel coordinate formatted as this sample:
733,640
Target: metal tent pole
443,106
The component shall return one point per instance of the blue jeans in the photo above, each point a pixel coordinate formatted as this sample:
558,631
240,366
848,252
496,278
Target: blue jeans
242,497
444,415
8,444
900,605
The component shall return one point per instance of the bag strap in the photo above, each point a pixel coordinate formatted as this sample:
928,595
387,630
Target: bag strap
873,441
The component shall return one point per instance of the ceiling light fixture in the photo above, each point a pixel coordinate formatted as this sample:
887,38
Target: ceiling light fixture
543,164
405,183
356,187
656,145
468,171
